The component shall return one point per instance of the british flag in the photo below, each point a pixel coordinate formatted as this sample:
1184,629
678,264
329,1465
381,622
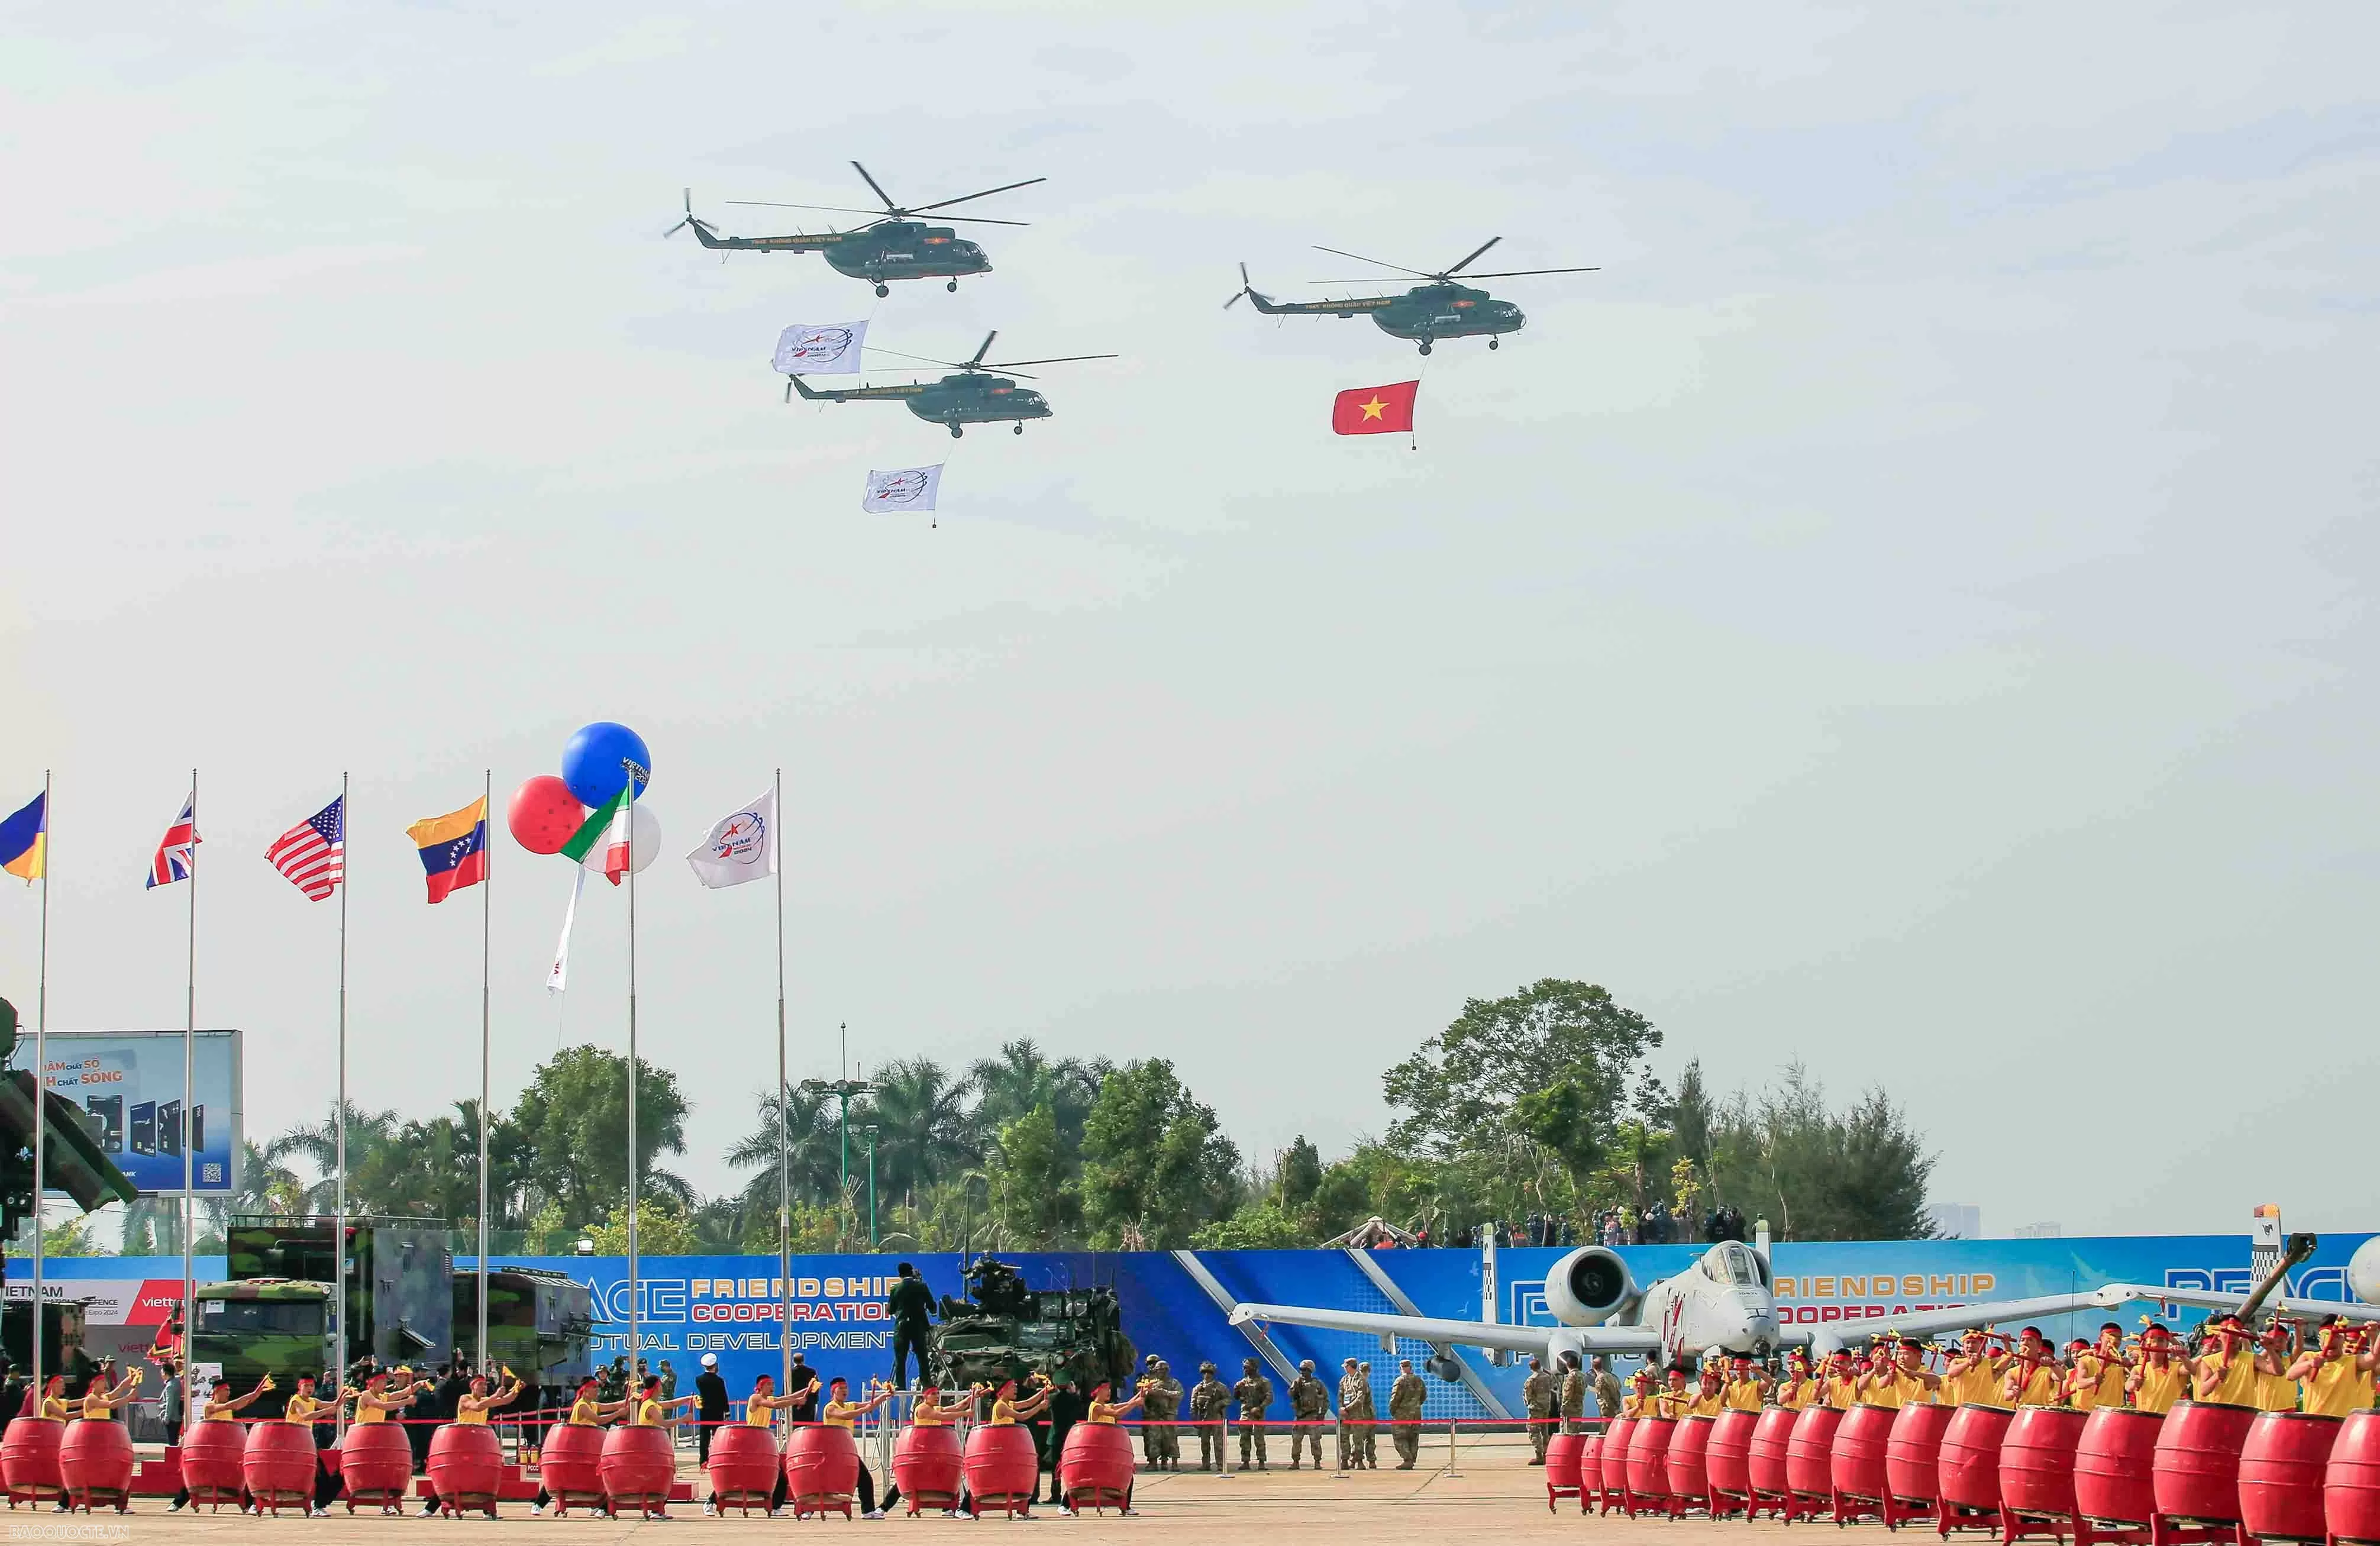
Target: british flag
175,854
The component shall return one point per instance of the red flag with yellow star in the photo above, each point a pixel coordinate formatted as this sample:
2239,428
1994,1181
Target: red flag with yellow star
1372,411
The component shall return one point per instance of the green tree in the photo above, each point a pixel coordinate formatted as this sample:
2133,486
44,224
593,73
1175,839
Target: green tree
573,1126
1035,1195
317,1144
1155,1160
920,1112
1260,1225
1460,1089
1816,1174
662,1227
1022,1078
813,1142
1299,1178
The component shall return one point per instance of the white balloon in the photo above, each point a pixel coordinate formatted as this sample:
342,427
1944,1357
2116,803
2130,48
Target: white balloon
644,841
2363,1271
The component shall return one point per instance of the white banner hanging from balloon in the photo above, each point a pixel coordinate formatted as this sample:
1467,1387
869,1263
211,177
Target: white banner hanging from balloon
821,349
902,488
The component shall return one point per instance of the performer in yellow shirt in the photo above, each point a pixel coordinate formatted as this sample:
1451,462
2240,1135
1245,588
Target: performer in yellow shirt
1841,1380
302,1408
1709,1397
1899,1377
2334,1376
2161,1377
1747,1385
2275,1392
1798,1389
471,1411
1972,1377
105,1392
2225,1371
1675,1400
2034,1378
840,1411
1640,1401
2096,1373
586,1410
54,1405
1102,1410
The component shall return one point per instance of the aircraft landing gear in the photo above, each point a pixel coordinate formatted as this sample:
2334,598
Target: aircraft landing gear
1491,343
952,287
1425,345
1016,429
956,432
882,290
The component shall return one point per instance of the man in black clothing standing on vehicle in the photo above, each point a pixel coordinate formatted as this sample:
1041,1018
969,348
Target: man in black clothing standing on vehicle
911,1307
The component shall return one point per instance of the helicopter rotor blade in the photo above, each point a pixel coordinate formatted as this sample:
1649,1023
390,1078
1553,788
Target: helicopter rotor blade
877,186
981,349
1401,268
1055,359
965,198
832,209
984,220
1469,260
947,364
1517,273
1242,293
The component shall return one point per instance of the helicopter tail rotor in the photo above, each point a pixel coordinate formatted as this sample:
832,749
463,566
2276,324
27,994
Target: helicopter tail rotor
1246,289
689,219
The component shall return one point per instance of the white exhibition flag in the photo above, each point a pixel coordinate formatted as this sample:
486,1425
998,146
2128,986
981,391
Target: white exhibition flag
819,349
740,848
559,978
902,488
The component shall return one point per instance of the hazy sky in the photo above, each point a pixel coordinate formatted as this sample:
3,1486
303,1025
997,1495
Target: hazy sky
1910,611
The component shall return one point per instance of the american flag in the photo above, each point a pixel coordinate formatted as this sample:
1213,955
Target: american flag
175,854
312,855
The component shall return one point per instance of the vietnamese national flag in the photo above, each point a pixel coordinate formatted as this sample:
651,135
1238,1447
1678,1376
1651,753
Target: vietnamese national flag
1372,411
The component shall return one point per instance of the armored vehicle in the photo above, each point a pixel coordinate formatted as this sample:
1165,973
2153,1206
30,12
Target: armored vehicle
539,1323
1006,1330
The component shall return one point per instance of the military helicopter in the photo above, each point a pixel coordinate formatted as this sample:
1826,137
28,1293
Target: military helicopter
893,246
973,396
1441,308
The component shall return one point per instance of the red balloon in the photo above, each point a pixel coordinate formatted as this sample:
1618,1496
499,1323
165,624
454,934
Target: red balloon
544,814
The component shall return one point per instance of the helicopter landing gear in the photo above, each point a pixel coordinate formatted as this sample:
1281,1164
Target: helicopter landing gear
1016,429
882,290
952,287
1425,345
956,432
1491,343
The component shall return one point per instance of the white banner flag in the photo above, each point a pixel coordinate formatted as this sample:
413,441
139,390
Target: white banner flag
819,349
741,848
902,488
559,978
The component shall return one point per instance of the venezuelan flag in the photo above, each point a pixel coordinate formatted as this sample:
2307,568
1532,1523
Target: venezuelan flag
454,848
25,840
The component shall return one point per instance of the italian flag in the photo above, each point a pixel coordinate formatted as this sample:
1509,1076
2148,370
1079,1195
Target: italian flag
608,828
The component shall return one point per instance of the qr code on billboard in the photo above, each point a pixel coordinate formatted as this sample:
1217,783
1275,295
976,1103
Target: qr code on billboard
212,1174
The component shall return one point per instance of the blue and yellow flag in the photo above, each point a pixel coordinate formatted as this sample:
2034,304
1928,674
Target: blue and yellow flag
25,840
454,848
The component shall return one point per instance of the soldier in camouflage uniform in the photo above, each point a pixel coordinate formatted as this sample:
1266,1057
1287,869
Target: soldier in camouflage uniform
1254,1393
1537,1394
1574,1394
1406,1399
1161,1395
1355,1416
1309,1408
1370,1432
1210,1399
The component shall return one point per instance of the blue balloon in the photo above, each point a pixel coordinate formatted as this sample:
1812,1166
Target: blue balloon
594,764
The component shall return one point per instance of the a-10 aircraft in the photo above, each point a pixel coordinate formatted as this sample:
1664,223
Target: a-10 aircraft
1726,1302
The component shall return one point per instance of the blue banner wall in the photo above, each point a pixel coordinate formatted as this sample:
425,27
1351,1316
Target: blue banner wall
729,1305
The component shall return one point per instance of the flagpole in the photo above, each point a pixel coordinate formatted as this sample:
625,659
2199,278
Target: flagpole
487,893
785,1141
339,1122
190,1042
628,814
41,1085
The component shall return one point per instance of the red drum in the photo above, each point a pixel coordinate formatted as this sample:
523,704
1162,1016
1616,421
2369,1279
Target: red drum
569,1464
1855,1460
637,1470
1590,1471
1688,1467
1772,1441
2281,1469
1648,1463
927,1467
1968,1464
1611,1459
2037,1460
29,1459
1727,1459
1003,1472
210,1458
1810,1453
1562,1452
279,1466
1095,1466
467,1466
2350,1487
822,1469
1913,1449
2196,1470
743,1467
95,1462
2111,1464
376,1462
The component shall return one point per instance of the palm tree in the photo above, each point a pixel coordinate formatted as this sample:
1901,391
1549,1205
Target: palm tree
318,1145
1021,1079
921,1119
814,1136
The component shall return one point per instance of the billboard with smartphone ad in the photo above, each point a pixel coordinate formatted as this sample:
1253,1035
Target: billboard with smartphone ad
129,1086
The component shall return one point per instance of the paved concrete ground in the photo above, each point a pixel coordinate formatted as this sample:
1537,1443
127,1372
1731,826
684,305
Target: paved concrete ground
1496,1495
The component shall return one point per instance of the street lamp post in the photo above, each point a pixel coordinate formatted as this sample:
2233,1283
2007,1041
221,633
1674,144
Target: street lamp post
842,1089
872,1185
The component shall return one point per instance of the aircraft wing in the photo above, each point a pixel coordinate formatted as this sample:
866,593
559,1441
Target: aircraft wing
1927,1322
1470,1333
2208,1298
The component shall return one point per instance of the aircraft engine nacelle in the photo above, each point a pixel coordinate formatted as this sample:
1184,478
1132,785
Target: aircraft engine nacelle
2363,1271
1446,1367
1589,1287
